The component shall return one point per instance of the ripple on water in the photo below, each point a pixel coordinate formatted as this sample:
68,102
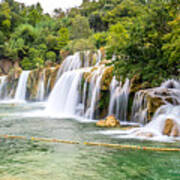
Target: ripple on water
28,160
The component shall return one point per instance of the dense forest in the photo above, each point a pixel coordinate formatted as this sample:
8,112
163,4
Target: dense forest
143,36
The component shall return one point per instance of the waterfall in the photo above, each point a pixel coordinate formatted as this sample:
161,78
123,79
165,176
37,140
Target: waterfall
3,84
113,88
65,97
75,61
20,94
170,89
139,108
70,63
157,124
41,88
94,91
119,95
99,57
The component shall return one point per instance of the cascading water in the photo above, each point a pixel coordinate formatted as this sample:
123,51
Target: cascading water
168,92
94,91
41,88
119,99
65,96
76,62
139,108
155,129
3,84
99,57
71,100
70,63
20,94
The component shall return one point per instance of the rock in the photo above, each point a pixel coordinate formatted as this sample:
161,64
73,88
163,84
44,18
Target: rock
103,52
145,134
101,123
107,78
153,103
138,84
6,65
49,63
64,54
110,121
171,128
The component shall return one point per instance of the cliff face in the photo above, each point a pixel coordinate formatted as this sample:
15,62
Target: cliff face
7,65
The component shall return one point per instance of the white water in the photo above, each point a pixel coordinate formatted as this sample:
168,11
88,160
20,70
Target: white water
139,108
20,94
64,98
119,95
94,91
3,83
41,88
74,62
70,63
169,89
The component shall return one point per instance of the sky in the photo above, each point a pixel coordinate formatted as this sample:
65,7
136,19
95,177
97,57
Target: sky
50,5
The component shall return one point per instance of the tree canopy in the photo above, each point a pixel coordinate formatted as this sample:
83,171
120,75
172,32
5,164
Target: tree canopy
143,35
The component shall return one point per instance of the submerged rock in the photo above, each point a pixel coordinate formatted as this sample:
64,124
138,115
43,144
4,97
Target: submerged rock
110,121
145,134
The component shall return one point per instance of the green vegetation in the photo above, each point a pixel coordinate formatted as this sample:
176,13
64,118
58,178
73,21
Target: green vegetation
144,35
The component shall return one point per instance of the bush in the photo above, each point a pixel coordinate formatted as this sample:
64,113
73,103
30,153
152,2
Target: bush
51,56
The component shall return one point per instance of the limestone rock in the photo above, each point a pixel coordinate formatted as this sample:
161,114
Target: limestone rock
110,121
171,128
6,65
138,84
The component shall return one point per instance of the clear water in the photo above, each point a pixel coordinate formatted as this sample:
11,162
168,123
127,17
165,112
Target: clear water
29,160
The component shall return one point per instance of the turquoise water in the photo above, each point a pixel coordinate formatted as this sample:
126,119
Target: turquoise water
29,160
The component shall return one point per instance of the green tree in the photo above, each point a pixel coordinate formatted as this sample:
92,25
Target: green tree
51,56
171,47
63,38
80,27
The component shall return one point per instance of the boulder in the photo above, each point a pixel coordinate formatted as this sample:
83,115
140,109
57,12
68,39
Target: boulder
110,121
171,128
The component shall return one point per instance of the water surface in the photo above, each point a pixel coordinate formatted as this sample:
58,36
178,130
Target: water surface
30,160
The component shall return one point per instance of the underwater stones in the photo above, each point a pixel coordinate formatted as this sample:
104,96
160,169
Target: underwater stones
145,134
171,128
110,121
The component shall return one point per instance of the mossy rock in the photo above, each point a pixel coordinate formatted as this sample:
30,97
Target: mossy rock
110,121
107,78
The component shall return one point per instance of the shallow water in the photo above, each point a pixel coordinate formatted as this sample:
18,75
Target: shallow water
29,160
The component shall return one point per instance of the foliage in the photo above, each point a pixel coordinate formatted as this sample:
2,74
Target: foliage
100,39
51,56
143,35
80,27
